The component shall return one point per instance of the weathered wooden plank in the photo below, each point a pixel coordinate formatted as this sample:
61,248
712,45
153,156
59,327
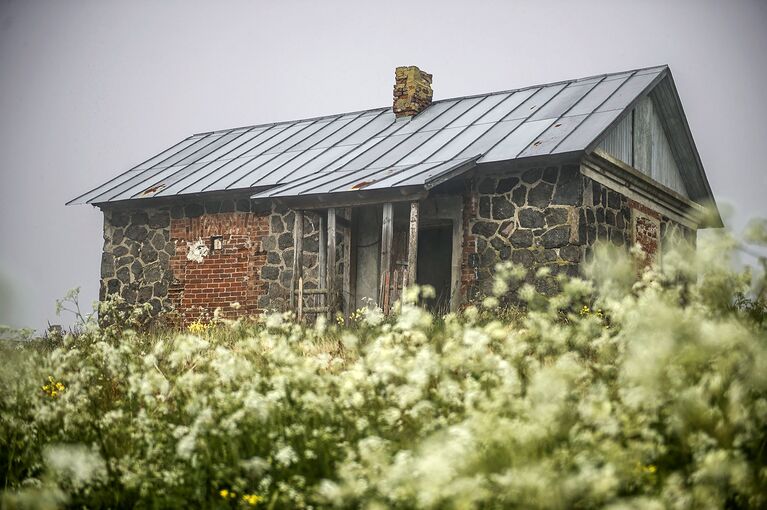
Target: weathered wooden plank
354,215
331,262
347,263
387,235
314,292
356,199
316,309
298,250
323,249
412,245
300,299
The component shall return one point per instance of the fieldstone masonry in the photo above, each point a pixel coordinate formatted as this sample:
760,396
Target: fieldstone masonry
146,257
136,260
194,257
530,219
552,217
277,274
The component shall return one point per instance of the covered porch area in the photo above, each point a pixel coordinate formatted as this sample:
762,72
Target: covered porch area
371,250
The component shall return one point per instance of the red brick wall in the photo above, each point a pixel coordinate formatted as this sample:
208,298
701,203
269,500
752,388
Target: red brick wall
225,276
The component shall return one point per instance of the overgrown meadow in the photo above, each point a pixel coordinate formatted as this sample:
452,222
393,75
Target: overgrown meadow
621,392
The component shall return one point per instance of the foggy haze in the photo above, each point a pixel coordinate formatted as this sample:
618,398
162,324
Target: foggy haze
89,89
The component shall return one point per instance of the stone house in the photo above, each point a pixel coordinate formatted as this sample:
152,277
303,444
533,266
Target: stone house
326,213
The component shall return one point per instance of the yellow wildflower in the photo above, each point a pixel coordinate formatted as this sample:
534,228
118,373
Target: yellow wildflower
227,494
198,327
252,499
53,388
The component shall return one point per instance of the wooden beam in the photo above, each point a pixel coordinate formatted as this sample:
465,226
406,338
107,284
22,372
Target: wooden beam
412,245
323,264
298,250
354,231
354,198
387,235
331,262
347,262
300,298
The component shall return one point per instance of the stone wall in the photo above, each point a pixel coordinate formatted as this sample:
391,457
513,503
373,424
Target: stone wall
611,217
552,217
277,274
135,263
606,214
147,258
542,217
531,219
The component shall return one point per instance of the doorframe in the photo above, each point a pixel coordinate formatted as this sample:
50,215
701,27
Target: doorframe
449,207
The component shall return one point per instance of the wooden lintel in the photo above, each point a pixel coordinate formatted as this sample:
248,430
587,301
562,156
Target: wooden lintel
353,199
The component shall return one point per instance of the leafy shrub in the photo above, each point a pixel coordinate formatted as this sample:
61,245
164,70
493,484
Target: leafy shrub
619,392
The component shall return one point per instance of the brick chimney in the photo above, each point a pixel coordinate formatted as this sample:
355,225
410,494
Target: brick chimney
412,91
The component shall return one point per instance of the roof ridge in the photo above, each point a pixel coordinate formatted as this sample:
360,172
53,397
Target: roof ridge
470,96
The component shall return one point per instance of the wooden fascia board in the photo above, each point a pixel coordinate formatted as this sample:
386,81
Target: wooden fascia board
352,198
674,119
632,183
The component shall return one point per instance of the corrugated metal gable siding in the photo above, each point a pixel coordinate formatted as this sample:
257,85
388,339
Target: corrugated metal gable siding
663,167
639,140
620,140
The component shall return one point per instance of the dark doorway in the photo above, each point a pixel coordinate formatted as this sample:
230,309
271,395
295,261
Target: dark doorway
435,247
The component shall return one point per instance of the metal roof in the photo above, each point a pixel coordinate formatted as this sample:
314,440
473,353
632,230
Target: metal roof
372,149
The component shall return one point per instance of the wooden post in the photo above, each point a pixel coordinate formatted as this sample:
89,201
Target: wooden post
323,265
387,235
300,299
298,251
331,268
347,262
412,246
354,230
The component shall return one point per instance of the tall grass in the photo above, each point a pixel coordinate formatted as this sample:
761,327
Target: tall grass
620,392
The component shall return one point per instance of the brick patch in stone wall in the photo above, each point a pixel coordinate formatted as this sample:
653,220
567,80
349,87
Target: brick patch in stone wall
231,274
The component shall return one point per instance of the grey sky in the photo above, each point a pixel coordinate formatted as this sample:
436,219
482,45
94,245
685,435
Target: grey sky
89,89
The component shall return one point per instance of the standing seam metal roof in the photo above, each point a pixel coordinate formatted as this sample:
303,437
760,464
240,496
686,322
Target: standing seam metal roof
371,149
